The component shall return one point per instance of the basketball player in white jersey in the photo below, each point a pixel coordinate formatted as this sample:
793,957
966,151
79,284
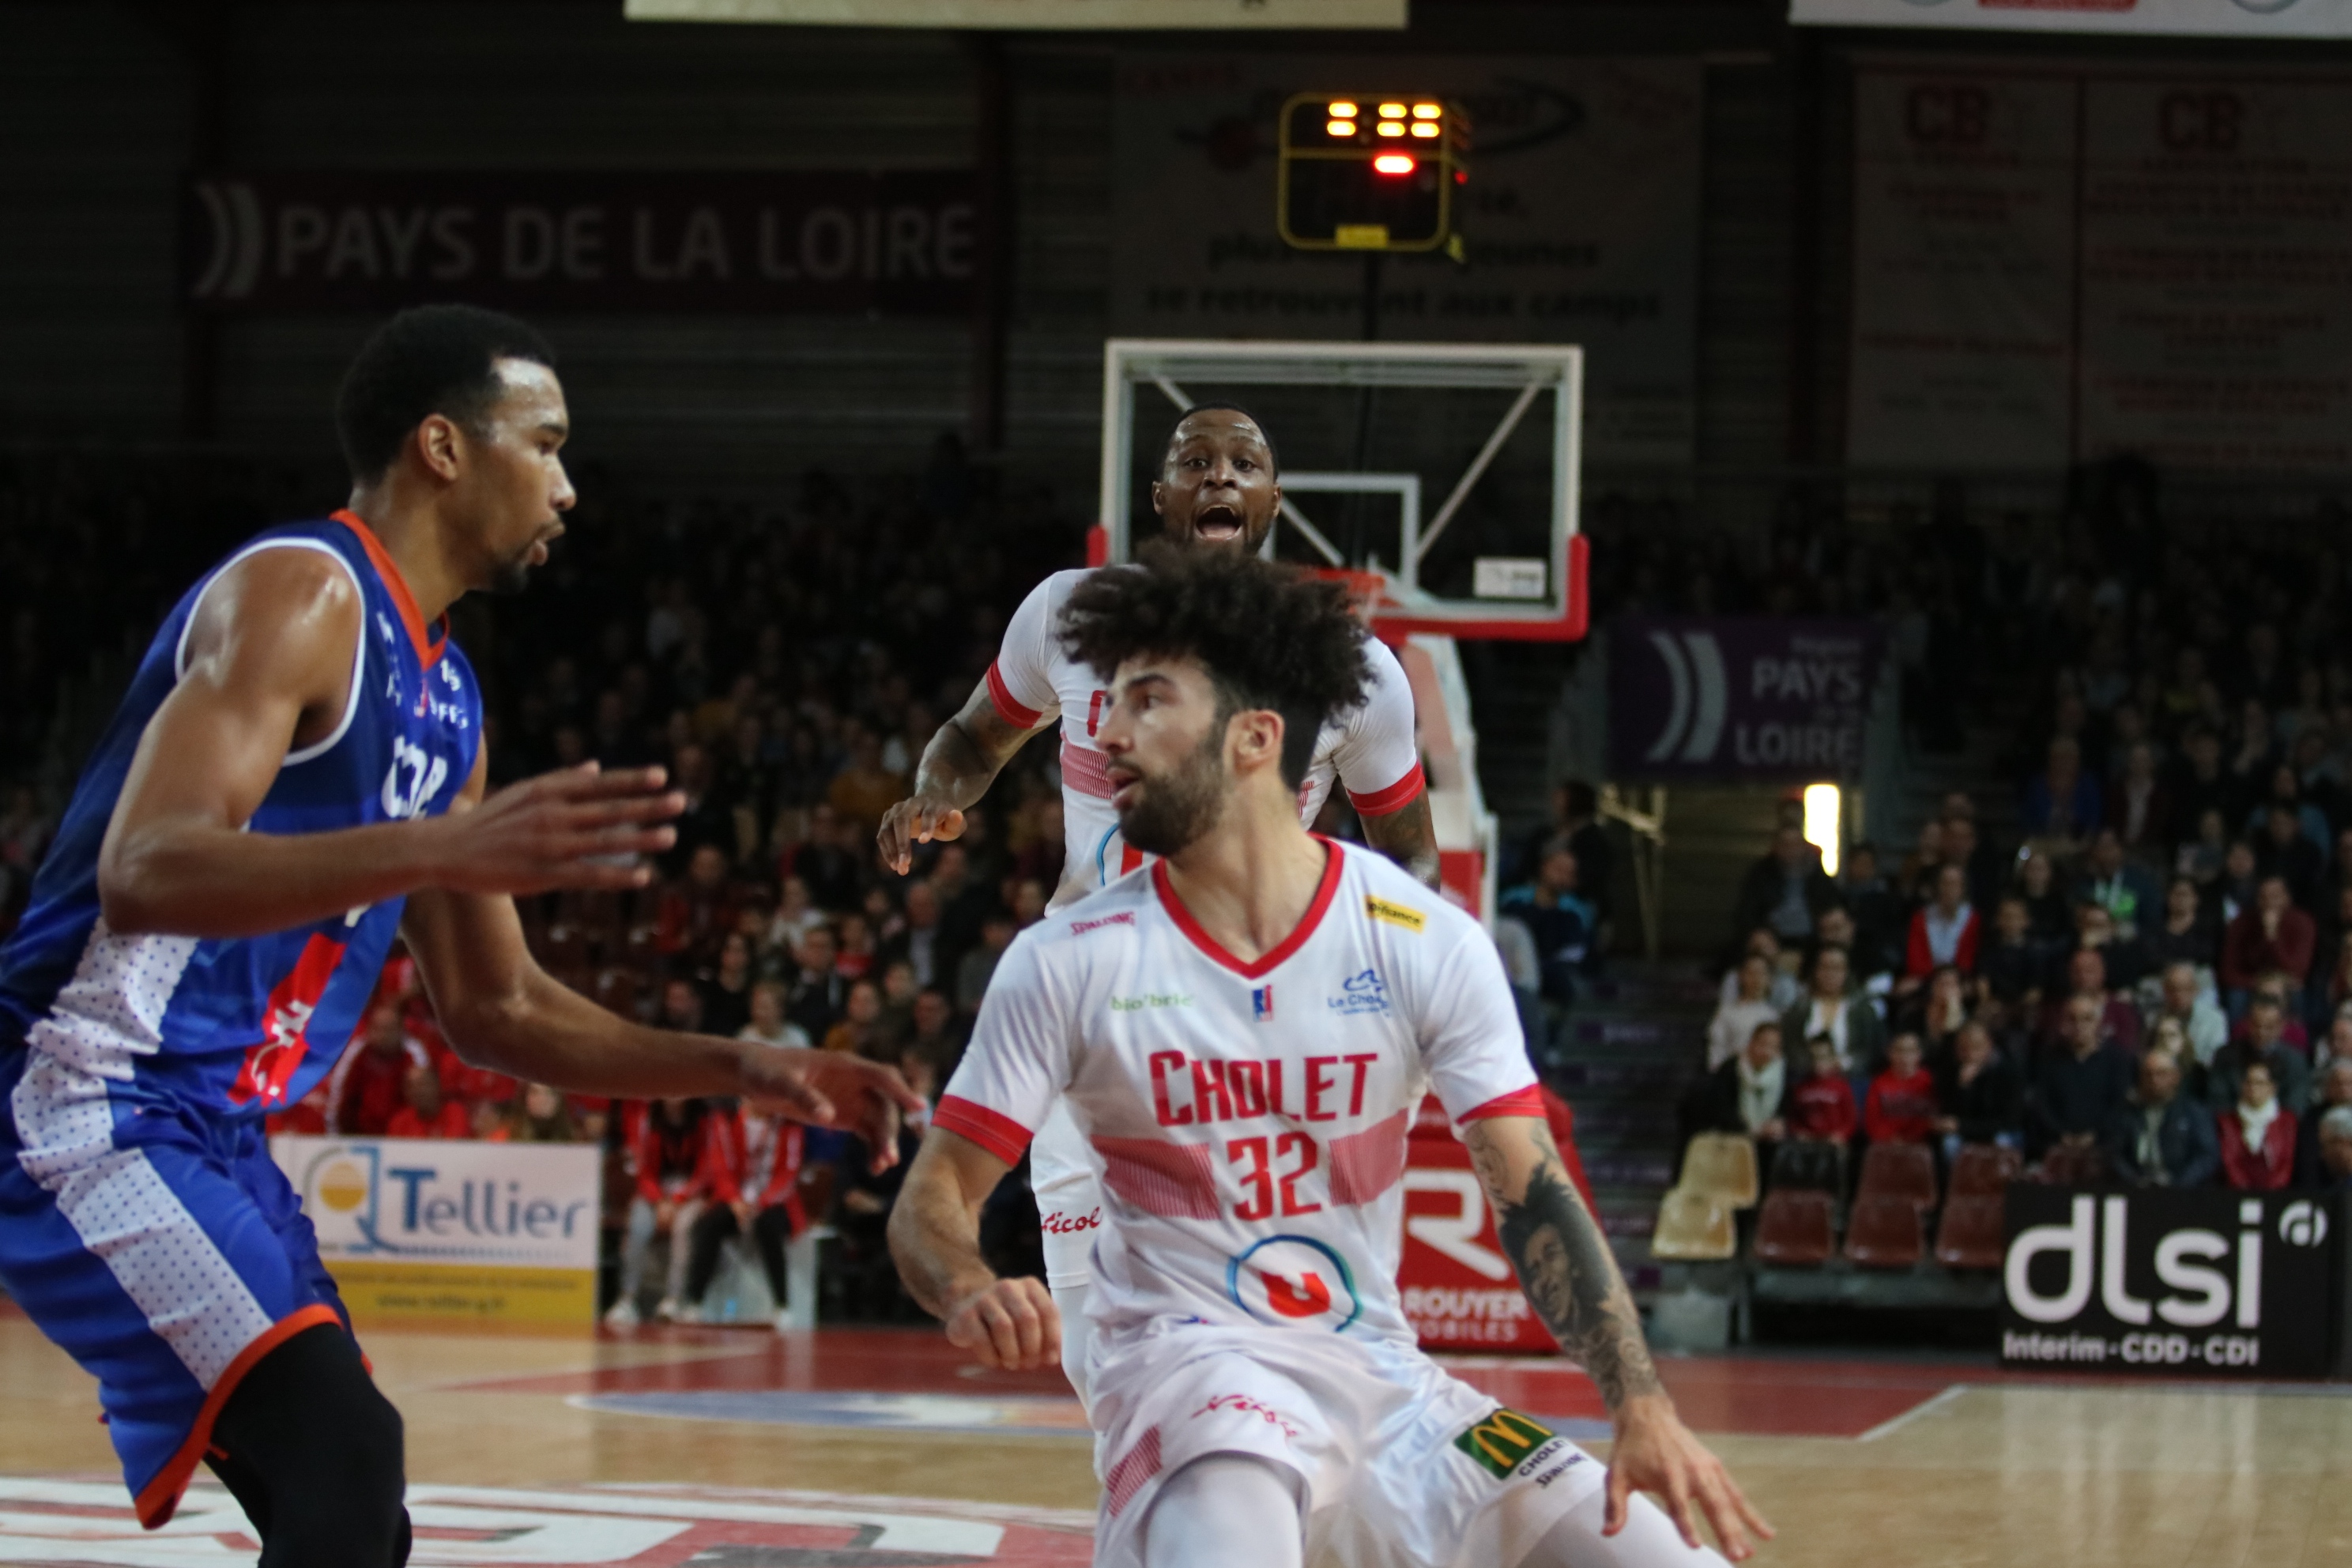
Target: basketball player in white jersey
1219,488
1243,1033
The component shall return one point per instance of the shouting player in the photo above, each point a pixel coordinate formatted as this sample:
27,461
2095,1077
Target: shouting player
1244,1035
1219,488
300,755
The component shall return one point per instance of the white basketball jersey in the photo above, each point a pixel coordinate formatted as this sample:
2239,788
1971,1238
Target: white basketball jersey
1371,749
1248,1121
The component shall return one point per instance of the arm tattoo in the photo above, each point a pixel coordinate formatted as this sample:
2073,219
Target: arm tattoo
1570,1277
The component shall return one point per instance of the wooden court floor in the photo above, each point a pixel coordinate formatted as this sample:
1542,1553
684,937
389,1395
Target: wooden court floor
747,1449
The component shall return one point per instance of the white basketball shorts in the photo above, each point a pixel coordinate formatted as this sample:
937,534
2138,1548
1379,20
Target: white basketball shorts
1402,1467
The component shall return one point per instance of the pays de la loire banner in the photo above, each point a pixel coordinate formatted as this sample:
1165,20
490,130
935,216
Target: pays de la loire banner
418,1230
2203,18
2057,263
2173,1283
899,242
1755,699
1579,220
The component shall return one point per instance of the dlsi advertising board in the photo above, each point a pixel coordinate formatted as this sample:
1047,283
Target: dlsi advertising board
2172,1283
1579,220
417,1230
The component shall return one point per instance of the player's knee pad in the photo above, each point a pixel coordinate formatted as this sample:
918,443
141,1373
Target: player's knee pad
1648,1540
324,1447
1222,1509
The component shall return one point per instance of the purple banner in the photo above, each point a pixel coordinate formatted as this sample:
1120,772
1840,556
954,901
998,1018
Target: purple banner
899,242
1774,701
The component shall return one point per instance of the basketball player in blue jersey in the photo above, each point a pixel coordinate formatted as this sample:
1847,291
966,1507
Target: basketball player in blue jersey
296,775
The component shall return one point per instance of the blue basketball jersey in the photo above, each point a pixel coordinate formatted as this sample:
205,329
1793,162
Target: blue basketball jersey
247,1025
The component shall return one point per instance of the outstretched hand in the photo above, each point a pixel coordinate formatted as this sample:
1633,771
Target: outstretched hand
581,828
917,819
1655,1453
833,1088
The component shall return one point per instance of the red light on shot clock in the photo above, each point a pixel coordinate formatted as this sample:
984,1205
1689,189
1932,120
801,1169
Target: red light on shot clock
1392,164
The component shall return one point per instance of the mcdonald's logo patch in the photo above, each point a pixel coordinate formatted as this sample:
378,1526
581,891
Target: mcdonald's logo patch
1504,1441
1379,908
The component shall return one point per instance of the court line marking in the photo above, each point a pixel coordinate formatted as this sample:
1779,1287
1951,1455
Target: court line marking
1896,1424
637,1404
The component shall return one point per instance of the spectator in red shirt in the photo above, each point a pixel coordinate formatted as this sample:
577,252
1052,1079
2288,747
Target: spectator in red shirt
426,1115
698,911
1902,1104
755,1176
307,1118
1943,932
1824,1101
674,1181
369,1082
2258,1136
2271,936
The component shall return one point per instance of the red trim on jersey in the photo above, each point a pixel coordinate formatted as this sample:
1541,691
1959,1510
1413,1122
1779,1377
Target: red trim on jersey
1528,1101
1014,714
160,1498
1086,771
1264,964
428,641
1397,796
1175,1181
1130,858
992,1129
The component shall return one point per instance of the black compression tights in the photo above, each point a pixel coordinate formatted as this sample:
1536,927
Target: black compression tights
313,1453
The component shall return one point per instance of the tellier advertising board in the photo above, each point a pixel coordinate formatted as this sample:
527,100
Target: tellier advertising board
414,1229
1737,698
2177,1283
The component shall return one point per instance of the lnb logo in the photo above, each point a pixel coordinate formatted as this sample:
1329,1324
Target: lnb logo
2303,1224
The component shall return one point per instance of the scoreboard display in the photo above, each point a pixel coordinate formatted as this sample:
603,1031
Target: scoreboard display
1370,172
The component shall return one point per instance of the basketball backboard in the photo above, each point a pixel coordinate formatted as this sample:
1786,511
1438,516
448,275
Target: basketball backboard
1437,473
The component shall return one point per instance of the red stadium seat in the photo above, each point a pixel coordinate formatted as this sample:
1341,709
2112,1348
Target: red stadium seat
1982,1170
1886,1230
2067,1166
1794,1229
1805,1163
1970,1235
1899,1171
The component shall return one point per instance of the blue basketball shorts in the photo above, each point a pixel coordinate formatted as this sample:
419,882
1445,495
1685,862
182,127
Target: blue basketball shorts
156,1244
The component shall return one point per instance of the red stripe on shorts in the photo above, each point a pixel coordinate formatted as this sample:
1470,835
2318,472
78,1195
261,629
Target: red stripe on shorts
1127,1478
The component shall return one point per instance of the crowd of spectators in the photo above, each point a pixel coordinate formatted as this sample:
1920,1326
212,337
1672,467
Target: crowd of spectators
2151,980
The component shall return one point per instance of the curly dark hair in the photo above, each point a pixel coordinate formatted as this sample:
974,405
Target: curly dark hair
1270,637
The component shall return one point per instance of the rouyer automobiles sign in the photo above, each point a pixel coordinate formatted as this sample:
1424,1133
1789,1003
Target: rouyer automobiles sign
2209,1282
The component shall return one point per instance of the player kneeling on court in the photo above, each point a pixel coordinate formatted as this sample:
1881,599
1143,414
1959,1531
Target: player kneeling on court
1243,1031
